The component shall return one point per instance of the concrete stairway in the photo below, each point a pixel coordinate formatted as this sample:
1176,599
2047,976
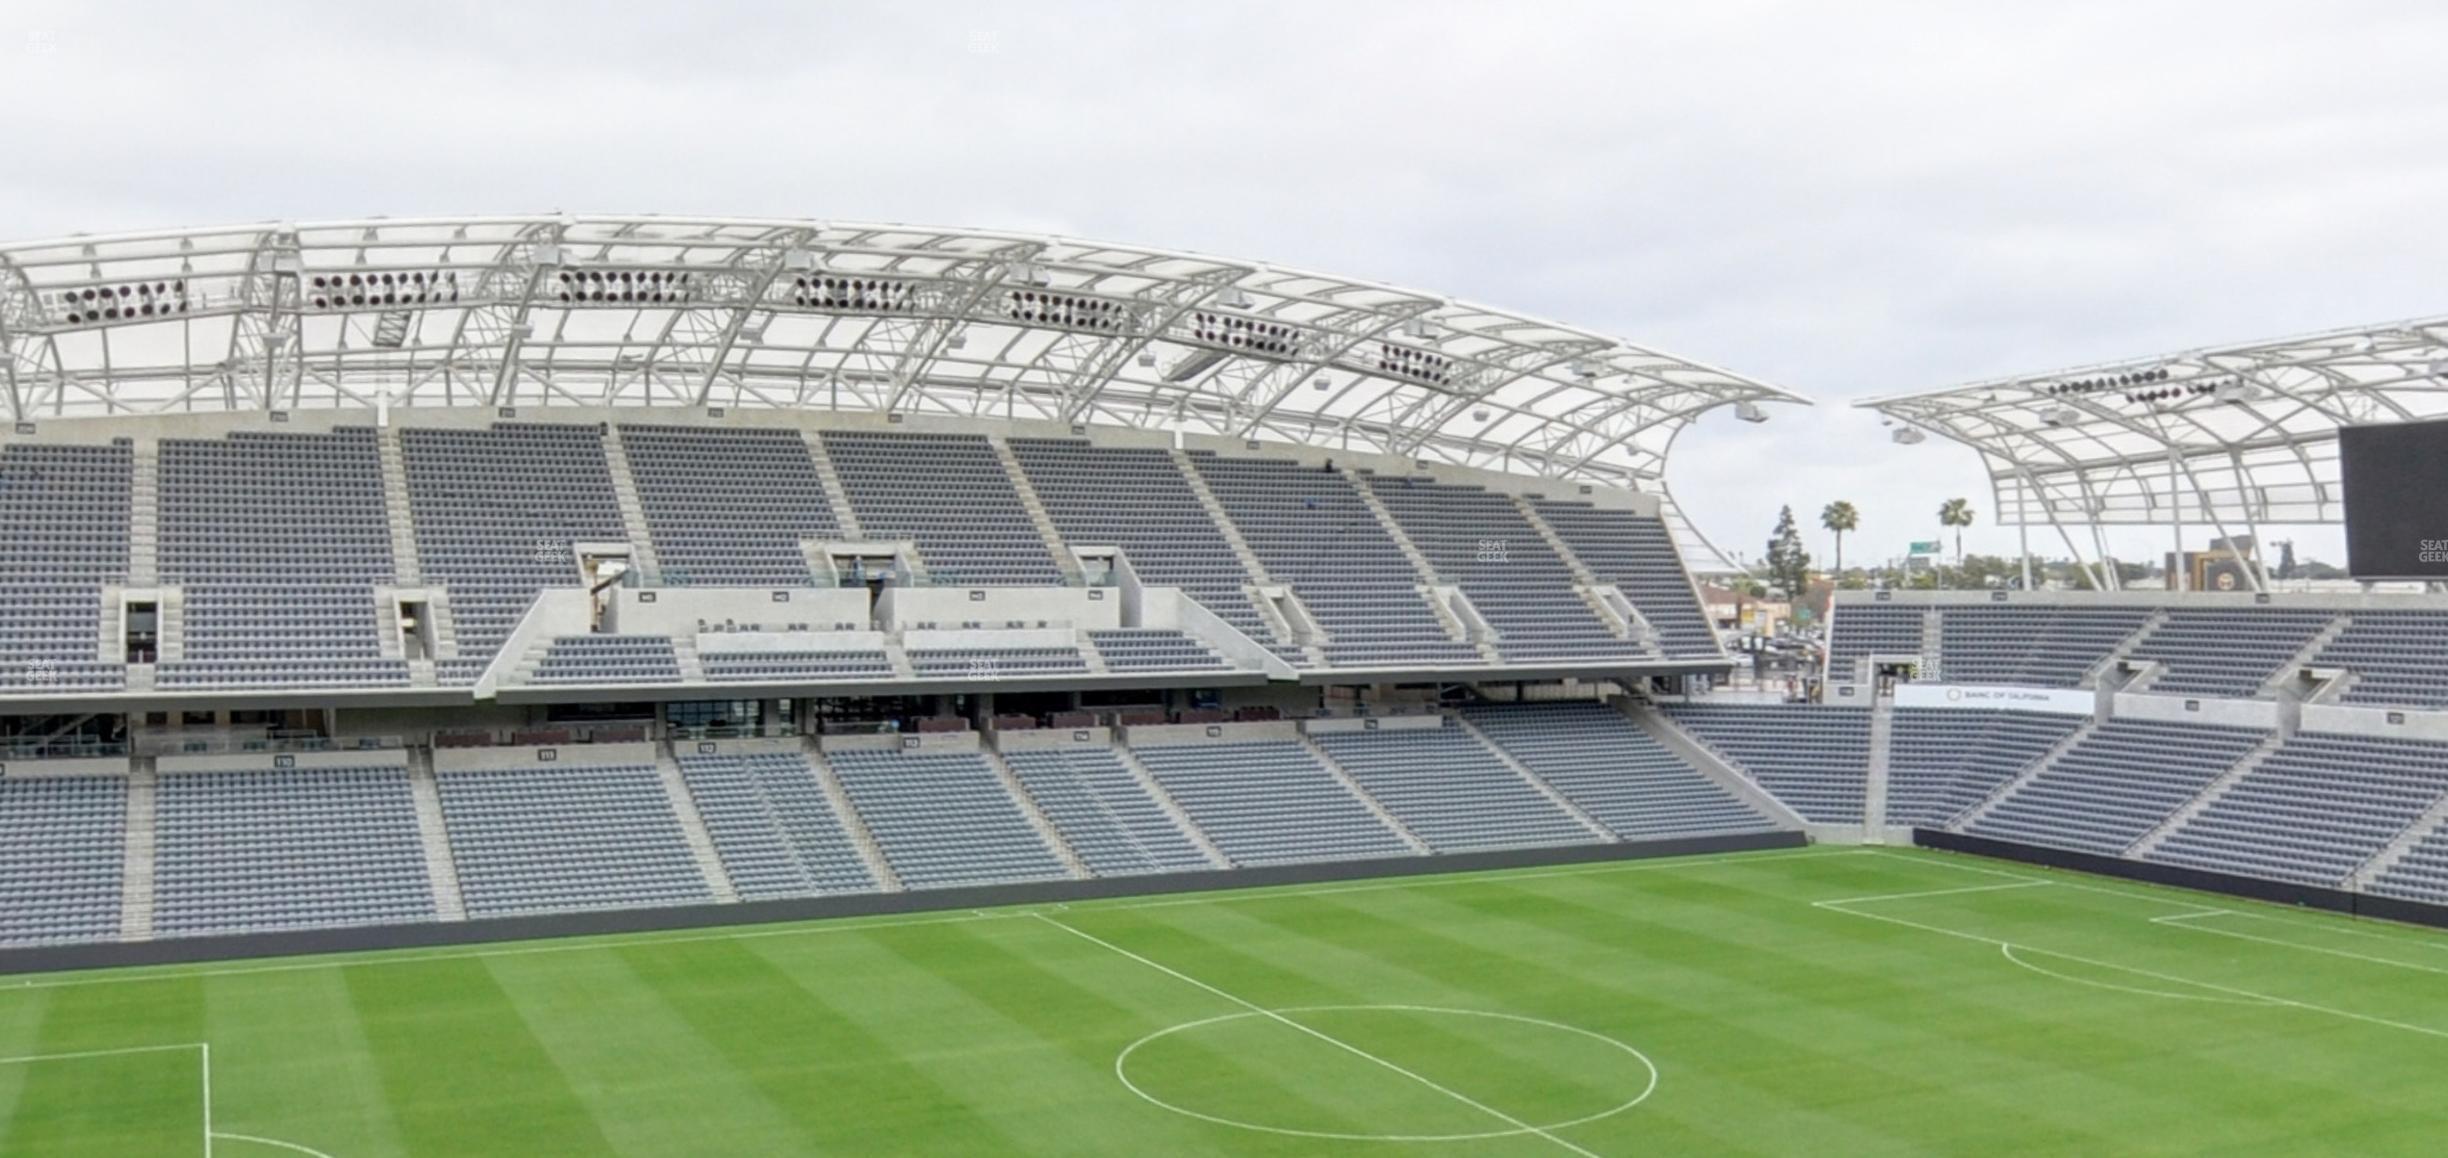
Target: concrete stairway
852,822
1874,793
404,561
633,511
1172,808
434,836
1037,819
1706,760
1344,778
144,515
1038,516
692,826
1215,511
2203,799
2015,783
136,870
835,493
2387,858
1537,782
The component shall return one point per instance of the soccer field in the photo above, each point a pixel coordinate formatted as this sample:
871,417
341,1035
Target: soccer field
1825,1001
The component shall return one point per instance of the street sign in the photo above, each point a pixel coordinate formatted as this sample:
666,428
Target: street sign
1930,547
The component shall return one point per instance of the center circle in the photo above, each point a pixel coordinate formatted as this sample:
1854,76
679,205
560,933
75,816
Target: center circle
1587,1040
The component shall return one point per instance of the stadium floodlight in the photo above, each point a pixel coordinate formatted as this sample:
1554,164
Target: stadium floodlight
798,261
1908,435
1234,298
1419,329
1321,382
2062,416
1481,414
957,342
1147,359
2236,390
1750,412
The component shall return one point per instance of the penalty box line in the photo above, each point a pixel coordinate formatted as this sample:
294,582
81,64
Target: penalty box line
1323,1036
203,1051
2007,948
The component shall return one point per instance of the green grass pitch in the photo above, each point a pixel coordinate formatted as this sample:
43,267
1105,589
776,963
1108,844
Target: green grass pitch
1823,1001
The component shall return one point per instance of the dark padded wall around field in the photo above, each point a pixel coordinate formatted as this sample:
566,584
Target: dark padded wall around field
2395,479
2153,872
185,950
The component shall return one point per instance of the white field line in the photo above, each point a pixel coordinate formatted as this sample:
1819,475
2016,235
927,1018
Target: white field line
133,1049
206,1048
2172,918
2033,884
1329,1039
2178,923
2008,952
2416,938
2152,974
854,925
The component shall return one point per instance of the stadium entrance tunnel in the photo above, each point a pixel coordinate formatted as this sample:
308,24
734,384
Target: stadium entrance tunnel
1387,1073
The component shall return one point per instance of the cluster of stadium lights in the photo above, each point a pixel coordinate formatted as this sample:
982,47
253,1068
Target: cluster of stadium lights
865,294
1070,311
113,303
1238,333
1398,361
416,288
626,287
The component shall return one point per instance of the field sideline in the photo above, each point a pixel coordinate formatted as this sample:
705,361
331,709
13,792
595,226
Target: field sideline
1827,1001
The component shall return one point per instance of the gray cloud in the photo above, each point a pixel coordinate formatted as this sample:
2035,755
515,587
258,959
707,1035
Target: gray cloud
1845,199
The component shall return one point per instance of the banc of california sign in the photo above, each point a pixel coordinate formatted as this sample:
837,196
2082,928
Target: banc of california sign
1994,697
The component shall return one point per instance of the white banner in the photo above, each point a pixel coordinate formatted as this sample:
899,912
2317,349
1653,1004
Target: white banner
1993,697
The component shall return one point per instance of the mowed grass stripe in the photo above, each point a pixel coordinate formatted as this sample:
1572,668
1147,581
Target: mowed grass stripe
149,1102
462,1073
1092,1006
652,1084
1781,1026
841,1086
291,1061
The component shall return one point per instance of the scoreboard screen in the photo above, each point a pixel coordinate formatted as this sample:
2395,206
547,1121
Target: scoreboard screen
2395,483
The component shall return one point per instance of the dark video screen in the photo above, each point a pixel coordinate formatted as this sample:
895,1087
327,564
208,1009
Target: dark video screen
2396,490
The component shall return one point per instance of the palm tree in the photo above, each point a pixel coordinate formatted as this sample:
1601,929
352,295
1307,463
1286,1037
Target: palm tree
1840,517
1956,513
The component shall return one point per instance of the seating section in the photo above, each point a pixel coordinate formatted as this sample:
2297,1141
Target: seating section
2031,646
2116,784
607,659
2395,657
1310,529
63,535
1857,631
1613,771
1269,802
773,827
1104,813
2315,810
1635,553
560,837
943,818
282,634
795,665
51,638
1478,540
729,507
2227,652
948,493
63,853
1813,757
1943,761
995,662
2422,874
496,511
64,512
1135,498
1450,791
255,851
1154,649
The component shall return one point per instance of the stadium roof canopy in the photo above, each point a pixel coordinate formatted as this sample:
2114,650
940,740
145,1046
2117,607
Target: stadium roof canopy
2231,437
660,311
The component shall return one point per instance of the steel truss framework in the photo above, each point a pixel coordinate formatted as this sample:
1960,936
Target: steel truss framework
661,311
2232,437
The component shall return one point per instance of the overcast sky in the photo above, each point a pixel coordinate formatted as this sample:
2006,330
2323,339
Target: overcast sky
1843,199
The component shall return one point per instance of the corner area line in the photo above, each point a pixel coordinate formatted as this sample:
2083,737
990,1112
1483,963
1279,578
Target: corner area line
1336,1042
2031,884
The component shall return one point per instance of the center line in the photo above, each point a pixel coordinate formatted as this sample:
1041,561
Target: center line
1338,1043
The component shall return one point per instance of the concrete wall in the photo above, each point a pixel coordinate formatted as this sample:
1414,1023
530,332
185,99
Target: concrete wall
1038,739
902,742
949,607
449,760
739,747
2412,725
676,611
1159,735
2194,710
65,766
278,761
1372,724
2187,600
